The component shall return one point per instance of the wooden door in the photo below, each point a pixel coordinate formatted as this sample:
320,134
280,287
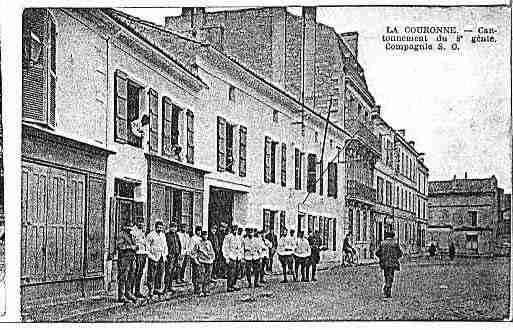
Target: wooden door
74,225
34,182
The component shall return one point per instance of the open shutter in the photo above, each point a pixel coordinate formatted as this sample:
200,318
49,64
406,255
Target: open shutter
312,172
112,229
120,107
321,178
334,235
166,127
153,105
332,180
242,150
95,226
52,73
297,169
283,164
221,144
267,159
190,137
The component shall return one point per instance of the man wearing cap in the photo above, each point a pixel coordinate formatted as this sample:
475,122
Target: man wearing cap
213,237
230,251
173,248
251,257
203,256
157,256
271,237
125,245
389,254
141,255
284,251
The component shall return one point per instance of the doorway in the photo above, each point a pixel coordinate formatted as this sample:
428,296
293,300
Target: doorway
220,207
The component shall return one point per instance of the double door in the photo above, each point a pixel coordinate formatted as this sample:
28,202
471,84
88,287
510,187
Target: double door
52,218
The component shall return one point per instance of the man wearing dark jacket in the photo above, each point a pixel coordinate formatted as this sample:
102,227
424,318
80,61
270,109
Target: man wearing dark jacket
174,247
213,237
389,254
271,237
125,246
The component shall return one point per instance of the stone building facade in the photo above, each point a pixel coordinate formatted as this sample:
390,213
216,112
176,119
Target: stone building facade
466,212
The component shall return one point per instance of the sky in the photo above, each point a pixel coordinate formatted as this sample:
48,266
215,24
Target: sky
455,105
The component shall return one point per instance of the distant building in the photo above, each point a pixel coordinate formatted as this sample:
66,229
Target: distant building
504,226
466,212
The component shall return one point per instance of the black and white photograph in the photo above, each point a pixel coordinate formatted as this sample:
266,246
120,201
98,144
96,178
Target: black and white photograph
265,164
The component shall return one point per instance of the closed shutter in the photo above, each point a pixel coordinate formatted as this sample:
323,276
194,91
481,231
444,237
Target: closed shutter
75,220
153,105
52,74
312,173
267,159
111,253
321,179
297,169
283,164
242,150
282,221
332,180
221,144
190,137
120,107
166,127
95,226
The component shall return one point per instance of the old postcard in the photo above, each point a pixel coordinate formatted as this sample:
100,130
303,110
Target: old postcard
265,163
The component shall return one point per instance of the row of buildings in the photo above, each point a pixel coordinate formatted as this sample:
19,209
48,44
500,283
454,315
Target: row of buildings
253,117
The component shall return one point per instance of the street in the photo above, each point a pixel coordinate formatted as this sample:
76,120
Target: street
464,289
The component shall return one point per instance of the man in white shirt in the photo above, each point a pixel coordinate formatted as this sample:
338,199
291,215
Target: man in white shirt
230,249
292,243
141,255
264,255
284,251
183,260
251,257
157,256
302,254
195,240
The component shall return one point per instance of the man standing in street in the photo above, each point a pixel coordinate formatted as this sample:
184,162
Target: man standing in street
157,256
285,252
125,245
292,243
389,254
230,252
173,248
271,237
240,254
315,247
184,252
203,256
252,258
141,256
213,237
302,254
195,240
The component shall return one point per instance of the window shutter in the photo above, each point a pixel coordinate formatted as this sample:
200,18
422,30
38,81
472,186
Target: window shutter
334,234
297,169
267,220
153,105
321,179
120,107
332,180
267,159
166,126
312,173
52,74
242,150
282,221
112,229
283,164
221,144
190,137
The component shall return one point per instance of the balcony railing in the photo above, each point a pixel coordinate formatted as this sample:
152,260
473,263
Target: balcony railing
355,126
358,190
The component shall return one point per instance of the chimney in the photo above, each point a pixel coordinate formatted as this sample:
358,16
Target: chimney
454,178
376,112
351,39
310,29
412,143
401,132
278,21
466,176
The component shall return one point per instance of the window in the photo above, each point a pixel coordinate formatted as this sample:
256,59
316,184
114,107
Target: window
243,133
273,161
364,223
388,193
229,148
321,179
269,160
190,137
300,220
282,221
283,164
134,110
297,169
153,106
310,223
379,190
316,137
39,74
397,197
350,221
170,129
312,173
473,218
357,226
332,180
221,144
471,243
268,220
231,93
275,116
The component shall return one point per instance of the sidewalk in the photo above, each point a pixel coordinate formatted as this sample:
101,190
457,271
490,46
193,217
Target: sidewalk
63,311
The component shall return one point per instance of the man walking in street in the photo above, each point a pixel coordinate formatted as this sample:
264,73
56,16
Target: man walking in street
315,256
141,256
271,237
389,254
252,258
230,251
157,256
173,248
203,256
125,245
285,252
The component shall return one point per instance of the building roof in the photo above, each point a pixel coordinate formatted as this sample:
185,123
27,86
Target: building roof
458,186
